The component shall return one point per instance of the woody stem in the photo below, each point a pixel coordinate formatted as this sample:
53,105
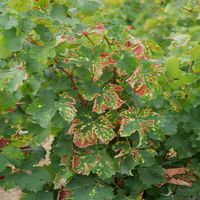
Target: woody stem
74,87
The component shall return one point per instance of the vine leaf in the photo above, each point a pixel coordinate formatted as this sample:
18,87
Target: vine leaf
143,81
185,178
34,181
3,162
86,188
128,158
13,78
109,99
99,163
88,7
98,68
9,43
128,63
135,120
66,107
153,49
151,175
88,133
139,50
43,108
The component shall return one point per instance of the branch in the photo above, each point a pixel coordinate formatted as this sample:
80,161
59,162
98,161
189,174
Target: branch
74,87
114,74
108,42
89,39
187,9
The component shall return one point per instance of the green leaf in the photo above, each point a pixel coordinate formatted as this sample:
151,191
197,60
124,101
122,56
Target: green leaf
86,189
183,148
43,108
7,101
89,90
9,43
151,175
42,54
3,163
88,7
135,187
59,13
173,68
20,6
196,66
195,52
169,125
13,154
34,181
43,4
7,22
127,165
13,78
66,107
42,195
128,64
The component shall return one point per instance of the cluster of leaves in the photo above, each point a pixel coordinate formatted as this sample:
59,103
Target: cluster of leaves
100,99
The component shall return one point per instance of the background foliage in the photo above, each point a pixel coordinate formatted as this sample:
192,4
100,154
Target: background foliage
100,99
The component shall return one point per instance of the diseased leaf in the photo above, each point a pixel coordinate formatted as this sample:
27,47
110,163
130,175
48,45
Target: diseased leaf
99,163
66,107
153,49
133,120
108,100
99,67
143,81
13,78
88,134
100,99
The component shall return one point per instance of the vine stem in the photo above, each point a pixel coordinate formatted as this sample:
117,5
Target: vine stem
74,87
89,39
33,41
107,41
114,74
187,9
